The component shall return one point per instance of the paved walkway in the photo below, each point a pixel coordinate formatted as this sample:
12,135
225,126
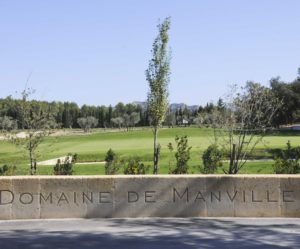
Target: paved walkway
151,233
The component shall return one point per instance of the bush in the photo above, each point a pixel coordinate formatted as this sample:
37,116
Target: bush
63,167
289,166
170,147
287,161
212,159
113,164
134,166
112,168
182,155
110,156
74,158
7,170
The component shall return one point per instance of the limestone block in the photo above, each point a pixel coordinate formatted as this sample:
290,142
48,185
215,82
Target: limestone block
32,197
259,196
62,197
26,203
101,197
152,196
6,198
290,196
220,195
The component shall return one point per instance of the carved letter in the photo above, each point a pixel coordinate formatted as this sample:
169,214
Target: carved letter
268,197
186,192
199,197
30,198
46,199
149,195
212,194
285,195
104,197
75,197
231,198
253,199
132,196
63,197
85,197
7,202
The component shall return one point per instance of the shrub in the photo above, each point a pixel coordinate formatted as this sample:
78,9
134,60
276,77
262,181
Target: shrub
113,164
212,159
283,166
63,167
182,155
112,168
75,158
287,161
170,147
72,157
110,156
7,170
134,166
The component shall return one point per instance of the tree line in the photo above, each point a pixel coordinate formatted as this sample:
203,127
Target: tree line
71,115
68,114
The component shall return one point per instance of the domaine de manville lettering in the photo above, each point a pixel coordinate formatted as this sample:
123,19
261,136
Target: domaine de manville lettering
181,195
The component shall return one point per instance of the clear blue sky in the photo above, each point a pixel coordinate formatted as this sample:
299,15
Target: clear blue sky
96,52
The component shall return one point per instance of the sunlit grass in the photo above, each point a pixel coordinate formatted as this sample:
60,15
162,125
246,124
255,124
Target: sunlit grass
93,147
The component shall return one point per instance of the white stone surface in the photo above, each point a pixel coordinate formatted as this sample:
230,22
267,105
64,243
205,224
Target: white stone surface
32,197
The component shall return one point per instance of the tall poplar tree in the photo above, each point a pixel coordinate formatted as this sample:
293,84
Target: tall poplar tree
158,77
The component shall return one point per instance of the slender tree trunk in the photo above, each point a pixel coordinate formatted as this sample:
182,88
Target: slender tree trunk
31,162
232,160
155,152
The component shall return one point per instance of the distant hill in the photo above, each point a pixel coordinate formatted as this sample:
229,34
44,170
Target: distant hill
176,106
173,106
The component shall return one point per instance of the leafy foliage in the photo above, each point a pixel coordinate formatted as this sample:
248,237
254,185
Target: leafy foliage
113,164
171,149
212,159
113,167
158,77
64,167
244,121
7,170
87,123
38,121
8,124
110,156
135,166
182,155
287,161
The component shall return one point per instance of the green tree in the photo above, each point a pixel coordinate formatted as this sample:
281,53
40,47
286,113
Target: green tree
63,167
135,166
287,161
245,121
182,155
112,163
158,77
212,159
7,123
87,123
37,120
110,156
118,121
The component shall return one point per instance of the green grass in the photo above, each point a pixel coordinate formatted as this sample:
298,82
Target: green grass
98,169
82,169
93,147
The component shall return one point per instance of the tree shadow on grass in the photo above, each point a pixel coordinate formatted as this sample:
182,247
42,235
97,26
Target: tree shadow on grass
154,233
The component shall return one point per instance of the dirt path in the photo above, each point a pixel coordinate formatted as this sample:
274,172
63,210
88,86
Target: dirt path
54,161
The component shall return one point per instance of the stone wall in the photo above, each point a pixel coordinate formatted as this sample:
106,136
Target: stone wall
149,196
